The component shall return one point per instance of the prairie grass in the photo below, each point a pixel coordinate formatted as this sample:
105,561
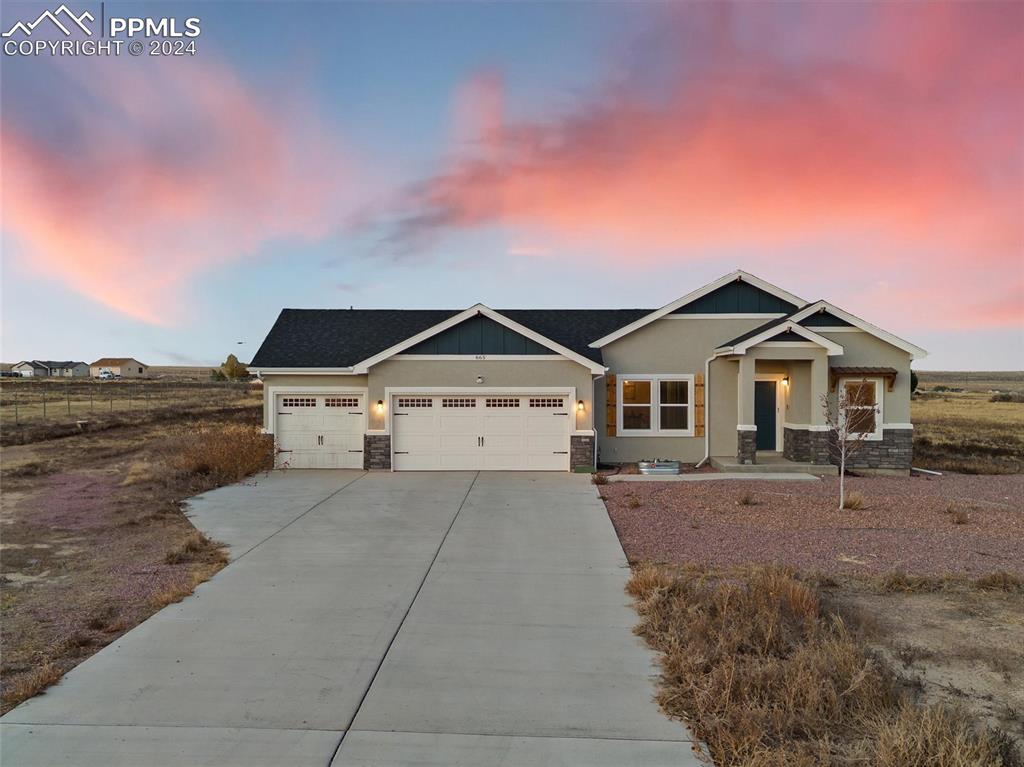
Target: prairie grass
854,501
966,432
196,547
767,675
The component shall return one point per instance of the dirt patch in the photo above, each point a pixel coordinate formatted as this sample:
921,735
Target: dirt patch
88,555
906,524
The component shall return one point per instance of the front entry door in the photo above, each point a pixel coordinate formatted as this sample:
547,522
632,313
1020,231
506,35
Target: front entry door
765,414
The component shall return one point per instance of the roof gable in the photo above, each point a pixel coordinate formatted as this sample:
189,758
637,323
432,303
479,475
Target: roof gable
478,335
824,319
915,352
731,296
116,361
738,297
782,331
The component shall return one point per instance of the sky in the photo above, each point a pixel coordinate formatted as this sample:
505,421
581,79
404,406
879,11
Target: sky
436,155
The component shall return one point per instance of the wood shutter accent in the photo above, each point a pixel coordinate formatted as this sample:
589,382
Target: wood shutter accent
698,396
611,403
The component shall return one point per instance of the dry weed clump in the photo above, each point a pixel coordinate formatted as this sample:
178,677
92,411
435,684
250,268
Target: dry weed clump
854,501
1000,581
196,548
224,454
767,677
31,684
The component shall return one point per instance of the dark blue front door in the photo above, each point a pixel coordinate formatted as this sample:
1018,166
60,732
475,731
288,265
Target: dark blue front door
764,414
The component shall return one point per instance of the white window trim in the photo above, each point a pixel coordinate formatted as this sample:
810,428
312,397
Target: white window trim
876,435
655,430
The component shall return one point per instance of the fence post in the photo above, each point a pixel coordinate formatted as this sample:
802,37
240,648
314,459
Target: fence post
67,396
15,407
111,400
129,396
42,391
92,391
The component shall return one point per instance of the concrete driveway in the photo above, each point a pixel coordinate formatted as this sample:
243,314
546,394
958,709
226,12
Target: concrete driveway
385,619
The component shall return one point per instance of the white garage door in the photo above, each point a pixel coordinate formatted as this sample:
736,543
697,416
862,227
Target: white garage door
317,431
498,432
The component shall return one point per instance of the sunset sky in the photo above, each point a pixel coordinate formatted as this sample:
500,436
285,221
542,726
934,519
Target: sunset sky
519,155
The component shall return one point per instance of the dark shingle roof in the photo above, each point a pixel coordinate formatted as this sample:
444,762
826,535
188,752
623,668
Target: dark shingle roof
759,329
343,337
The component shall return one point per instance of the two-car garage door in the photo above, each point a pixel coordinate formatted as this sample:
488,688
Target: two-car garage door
467,432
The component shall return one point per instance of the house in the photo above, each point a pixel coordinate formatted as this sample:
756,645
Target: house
125,367
733,372
46,368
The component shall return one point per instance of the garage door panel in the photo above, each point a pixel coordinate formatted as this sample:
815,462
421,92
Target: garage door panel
444,432
321,430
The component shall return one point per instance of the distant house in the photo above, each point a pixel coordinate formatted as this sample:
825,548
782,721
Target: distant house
51,368
126,367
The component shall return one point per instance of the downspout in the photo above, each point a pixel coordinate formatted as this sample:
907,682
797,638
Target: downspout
707,412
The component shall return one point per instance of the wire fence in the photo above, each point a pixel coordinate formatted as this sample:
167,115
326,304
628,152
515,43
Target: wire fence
33,400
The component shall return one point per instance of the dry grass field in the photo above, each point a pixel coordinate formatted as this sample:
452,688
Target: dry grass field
966,431
38,409
94,537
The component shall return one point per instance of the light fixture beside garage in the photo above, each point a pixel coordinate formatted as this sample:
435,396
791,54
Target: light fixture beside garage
579,406
479,379
380,406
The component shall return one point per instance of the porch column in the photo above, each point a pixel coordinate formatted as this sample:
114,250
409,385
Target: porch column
819,437
746,431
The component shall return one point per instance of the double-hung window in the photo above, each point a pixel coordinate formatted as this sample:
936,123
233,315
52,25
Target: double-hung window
863,407
655,405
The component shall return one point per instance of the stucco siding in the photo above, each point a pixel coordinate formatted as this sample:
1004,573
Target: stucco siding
863,349
271,382
675,346
459,375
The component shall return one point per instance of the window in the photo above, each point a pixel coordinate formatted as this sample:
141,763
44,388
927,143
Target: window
502,402
547,402
415,402
864,406
341,402
458,402
299,401
655,405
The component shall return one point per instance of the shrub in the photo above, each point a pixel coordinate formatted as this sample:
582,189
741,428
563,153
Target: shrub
747,499
195,547
1007,397
1000,581
854,501
224,454
960,517
599,479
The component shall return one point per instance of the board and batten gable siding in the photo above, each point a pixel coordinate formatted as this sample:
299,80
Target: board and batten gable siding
865,350
737,297
458,375
673,346
479,335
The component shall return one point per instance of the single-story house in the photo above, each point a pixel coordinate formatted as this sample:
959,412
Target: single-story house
126,367
732,370
46,368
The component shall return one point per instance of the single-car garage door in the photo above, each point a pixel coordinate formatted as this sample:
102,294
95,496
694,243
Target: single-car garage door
316,431
463,432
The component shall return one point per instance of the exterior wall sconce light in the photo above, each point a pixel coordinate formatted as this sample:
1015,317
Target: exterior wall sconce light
380,406
579,406
785,381
479,379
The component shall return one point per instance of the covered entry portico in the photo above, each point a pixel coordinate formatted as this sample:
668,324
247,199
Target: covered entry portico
780,382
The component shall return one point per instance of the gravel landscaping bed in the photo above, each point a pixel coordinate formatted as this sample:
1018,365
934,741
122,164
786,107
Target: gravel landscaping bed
906,524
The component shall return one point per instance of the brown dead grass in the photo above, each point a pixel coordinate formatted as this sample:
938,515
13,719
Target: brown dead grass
854,501
224,454
31,684
767,675
196,548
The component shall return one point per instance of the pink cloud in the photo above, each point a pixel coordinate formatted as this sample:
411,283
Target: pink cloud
173,168
879,142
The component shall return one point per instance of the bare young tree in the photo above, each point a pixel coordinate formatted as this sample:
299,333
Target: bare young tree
850,422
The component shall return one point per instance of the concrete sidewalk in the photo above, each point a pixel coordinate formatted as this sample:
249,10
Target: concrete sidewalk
386,619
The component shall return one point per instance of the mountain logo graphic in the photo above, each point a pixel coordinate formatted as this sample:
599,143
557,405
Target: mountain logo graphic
55,17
